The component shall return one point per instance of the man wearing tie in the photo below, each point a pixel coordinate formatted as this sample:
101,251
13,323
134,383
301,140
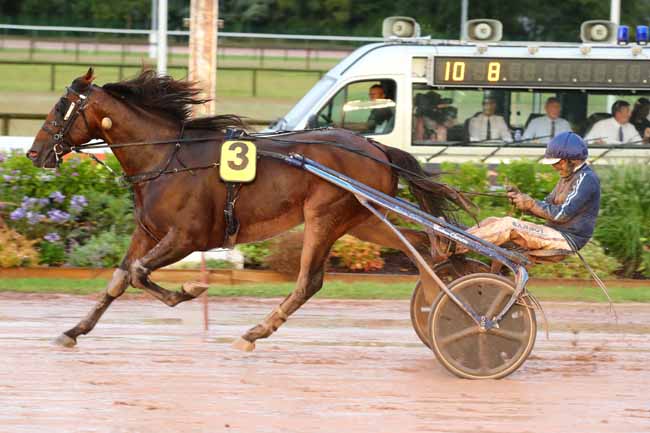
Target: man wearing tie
616,129
488,126
544,128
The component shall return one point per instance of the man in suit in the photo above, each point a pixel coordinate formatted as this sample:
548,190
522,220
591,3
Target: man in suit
487,125
616,129
544,128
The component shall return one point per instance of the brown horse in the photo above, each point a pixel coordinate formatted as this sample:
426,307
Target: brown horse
179,210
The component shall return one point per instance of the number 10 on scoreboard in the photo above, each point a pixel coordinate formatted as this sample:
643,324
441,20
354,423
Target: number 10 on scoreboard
455,71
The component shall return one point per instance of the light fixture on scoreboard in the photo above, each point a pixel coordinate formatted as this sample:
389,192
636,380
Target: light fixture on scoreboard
598,32
578,73
642,35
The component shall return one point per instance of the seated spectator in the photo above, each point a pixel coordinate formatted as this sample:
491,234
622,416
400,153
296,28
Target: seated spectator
640,120
544,128
488,126
616,129
434,116
380,120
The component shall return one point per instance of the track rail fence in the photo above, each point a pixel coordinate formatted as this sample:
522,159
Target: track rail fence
255,72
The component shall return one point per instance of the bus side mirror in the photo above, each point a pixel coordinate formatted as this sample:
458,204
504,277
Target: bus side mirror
598,31
312,121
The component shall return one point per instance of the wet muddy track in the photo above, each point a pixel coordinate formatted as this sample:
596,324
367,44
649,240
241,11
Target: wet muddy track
336,366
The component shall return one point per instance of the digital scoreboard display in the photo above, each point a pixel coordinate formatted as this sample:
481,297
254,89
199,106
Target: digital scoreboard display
536,73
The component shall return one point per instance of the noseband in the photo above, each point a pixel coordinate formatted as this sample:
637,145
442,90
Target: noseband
61,144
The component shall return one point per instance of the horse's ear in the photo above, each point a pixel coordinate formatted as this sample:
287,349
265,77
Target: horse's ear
90,75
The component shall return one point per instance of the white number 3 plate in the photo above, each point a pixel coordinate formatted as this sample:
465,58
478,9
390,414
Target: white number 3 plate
238,161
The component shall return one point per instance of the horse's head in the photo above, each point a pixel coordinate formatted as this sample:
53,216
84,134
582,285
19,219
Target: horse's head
68,124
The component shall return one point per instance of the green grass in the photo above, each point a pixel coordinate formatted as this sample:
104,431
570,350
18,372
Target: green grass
331,290
270,84
26,89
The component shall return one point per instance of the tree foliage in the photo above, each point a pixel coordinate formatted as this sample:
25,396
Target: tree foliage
522,19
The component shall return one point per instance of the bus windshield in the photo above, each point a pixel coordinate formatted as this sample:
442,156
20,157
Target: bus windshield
466,116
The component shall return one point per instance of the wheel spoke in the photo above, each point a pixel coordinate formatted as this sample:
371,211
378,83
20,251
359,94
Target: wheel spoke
492,310
483,359
510,335
458,335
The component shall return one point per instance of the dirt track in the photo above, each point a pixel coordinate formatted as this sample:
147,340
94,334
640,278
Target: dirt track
337,366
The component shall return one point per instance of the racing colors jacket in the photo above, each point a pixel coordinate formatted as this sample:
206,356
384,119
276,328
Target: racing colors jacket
572,207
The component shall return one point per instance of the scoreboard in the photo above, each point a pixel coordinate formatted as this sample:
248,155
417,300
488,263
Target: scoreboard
540,73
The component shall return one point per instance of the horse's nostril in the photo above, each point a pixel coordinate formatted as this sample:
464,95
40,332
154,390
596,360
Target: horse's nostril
32,154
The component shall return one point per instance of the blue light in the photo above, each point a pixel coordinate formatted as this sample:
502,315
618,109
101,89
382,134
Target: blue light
642,35
623,35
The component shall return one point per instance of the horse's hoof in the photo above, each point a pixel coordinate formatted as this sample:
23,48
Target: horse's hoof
194,288
64,341
243,345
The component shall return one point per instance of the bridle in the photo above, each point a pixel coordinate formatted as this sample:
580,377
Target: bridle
58,130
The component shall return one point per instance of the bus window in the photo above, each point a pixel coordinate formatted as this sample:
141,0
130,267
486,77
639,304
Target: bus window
617,119
366,107
458,116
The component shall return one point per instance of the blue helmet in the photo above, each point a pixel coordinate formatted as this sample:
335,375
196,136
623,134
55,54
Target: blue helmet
566,145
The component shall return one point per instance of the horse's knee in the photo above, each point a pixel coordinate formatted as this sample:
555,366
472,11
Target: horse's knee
118,283
138,274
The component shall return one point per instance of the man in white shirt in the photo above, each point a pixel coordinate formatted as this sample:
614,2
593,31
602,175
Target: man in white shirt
543,129
616,129
488,126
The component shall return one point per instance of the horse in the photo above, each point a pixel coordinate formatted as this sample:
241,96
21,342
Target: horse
182,205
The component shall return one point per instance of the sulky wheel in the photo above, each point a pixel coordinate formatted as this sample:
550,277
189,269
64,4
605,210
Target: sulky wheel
467,351
422,299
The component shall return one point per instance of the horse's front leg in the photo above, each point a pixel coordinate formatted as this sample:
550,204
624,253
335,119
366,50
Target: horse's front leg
173,247
140,243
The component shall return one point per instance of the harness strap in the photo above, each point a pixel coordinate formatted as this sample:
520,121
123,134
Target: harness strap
232,194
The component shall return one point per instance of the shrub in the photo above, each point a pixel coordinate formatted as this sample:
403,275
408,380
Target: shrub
104,250
51,253
357,255
15,249
209,264
572,267
284,253
624,222
536,180
254,253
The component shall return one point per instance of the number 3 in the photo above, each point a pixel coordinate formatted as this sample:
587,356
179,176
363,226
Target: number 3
238,161
243,150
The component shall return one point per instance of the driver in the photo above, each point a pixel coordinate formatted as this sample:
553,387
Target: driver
570,210
380,120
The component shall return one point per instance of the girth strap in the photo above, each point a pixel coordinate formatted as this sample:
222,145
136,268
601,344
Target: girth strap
232,224
232,193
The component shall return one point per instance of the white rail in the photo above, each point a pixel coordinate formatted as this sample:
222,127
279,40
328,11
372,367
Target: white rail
186,33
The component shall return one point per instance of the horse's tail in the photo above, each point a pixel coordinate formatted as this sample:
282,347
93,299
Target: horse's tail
435,198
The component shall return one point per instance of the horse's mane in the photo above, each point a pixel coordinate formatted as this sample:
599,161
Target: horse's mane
174,98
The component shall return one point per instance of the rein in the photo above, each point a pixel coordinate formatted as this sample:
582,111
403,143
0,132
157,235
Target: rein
147,176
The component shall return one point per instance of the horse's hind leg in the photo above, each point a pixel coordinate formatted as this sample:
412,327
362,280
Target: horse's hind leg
320,234
170,249
375,231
